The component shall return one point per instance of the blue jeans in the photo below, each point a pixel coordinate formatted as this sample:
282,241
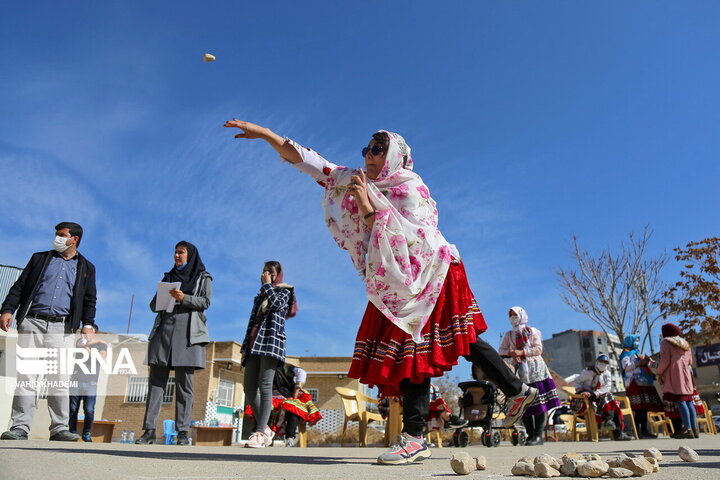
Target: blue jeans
88,409
688,414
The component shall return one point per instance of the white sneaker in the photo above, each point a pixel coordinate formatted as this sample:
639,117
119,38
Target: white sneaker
518,404
269,435
291,441
258,440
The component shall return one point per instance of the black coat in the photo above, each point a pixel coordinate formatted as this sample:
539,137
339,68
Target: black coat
82,306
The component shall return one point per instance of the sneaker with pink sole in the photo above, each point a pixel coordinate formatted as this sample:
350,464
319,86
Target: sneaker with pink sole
407,449
518,404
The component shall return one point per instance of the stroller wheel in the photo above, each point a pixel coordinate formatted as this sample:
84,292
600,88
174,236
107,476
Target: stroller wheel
522,437
515,438
495,439
487,438
455,442
463,439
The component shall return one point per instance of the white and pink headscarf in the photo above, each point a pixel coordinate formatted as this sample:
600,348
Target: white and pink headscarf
404,259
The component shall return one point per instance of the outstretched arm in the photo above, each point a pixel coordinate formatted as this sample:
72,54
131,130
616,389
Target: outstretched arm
252,131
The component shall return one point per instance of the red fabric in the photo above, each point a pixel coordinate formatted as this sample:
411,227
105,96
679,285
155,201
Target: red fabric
612,406
384,354
644,397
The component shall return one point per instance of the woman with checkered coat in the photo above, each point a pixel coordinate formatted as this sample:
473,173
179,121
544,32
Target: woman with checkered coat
264,348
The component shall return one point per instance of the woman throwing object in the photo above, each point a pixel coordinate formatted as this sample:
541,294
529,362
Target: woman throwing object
421,314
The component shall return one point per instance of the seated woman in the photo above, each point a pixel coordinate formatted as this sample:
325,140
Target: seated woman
290,403
594,383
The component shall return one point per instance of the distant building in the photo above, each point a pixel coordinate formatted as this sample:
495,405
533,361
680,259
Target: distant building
570,351
221,382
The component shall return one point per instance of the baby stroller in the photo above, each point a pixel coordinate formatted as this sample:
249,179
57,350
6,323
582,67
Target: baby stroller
481,404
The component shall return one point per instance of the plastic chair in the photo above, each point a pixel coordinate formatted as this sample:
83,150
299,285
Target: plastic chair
169,432
705,421
587,418
355,411
627,412
438,437
658,423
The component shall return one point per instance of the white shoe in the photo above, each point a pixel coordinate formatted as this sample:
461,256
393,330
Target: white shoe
518,404
258,440
269,435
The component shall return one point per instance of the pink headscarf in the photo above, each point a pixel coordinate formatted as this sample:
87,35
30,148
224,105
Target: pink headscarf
404,259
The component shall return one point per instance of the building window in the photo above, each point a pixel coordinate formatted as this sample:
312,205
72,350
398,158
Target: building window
138,389
314,393
225,392
586,342
599,340
588,358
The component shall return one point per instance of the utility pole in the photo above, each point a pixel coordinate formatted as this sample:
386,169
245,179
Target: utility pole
132,301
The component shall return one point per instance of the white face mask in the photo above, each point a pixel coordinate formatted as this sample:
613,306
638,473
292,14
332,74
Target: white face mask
59,244
514,320
601,366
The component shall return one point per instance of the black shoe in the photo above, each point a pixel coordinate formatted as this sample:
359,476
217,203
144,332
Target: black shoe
182,439
146,438
687,433
14,434
65,436
621,436
456,422
647,435
535,440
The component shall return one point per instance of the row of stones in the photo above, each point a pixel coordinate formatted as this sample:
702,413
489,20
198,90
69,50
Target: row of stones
574,464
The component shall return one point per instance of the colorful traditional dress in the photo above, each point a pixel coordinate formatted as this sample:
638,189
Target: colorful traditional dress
639,379
421,315
532,369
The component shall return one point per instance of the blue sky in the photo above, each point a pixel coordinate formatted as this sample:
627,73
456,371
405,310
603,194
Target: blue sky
529,121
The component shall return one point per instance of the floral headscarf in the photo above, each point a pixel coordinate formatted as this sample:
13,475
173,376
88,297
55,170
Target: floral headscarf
404,259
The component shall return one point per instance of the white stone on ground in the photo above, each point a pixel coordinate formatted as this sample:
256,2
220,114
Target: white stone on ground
619,472
639,466
548,459
523,468
593,468
543,470
687,454
462,463
653,453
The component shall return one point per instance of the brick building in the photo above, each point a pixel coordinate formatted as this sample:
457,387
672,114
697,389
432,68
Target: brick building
222,382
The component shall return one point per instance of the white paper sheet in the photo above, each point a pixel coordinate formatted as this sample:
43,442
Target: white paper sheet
164,301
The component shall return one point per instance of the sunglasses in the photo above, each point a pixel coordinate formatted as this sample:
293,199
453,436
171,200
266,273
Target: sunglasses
375,150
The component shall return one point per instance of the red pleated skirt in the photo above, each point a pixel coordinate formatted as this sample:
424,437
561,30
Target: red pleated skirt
385,355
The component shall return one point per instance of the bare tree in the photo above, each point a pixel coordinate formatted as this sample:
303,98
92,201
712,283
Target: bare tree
618,291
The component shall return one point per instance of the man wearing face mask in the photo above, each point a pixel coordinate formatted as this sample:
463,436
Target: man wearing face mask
595,383
53,297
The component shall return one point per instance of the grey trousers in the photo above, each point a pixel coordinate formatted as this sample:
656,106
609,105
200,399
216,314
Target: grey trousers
36,333
260,373
183,396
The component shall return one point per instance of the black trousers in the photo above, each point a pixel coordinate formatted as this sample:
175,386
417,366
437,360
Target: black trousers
416,401
291,424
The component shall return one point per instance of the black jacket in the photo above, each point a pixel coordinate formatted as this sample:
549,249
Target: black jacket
82,306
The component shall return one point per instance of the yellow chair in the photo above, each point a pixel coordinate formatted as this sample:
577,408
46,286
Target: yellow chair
587,417
438,437
627,412
705,421
354,405
658,423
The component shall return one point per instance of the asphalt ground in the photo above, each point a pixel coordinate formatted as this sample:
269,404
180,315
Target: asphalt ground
35,459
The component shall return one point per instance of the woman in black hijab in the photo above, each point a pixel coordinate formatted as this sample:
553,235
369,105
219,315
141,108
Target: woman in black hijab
177,341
